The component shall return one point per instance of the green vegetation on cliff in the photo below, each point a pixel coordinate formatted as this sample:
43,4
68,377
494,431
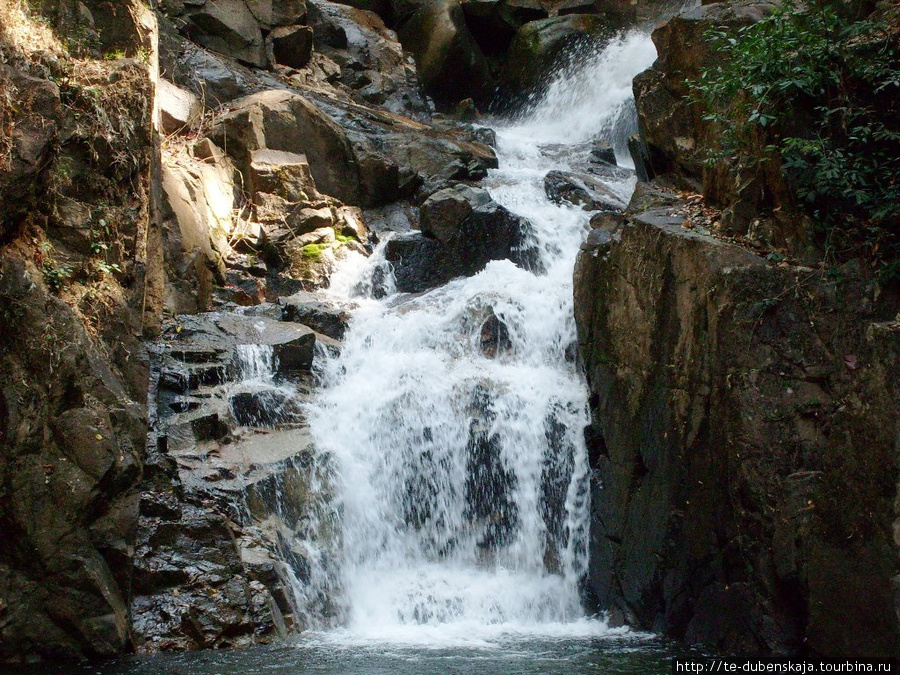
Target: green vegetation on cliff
818,91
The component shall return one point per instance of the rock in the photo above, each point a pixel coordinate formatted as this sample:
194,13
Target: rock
370,58
213,78
313,262
324,318
466,111
397,155
70,459
262,409
678,137
28,151
281,120
291,45
466,231
538,46
442,213
724,496
244,289
621,15
640,155
217,337
275,13
494,337
284,174
603,153
450,62
200,198
221,527
228,27
486,136
581,190
179,109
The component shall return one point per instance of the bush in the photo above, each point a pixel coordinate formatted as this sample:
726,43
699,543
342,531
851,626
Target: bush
823,90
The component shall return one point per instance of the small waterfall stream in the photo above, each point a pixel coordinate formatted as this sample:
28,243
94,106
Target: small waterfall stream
456,416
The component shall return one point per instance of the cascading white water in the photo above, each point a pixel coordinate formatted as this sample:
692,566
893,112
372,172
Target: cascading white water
256,363
463,477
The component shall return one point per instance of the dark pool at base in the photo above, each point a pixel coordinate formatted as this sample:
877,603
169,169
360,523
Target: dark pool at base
537,656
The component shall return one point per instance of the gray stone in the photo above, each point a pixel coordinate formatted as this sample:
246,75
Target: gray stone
292,45
228,27
179,109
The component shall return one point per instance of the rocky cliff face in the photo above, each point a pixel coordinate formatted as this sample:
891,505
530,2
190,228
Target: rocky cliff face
79,280
745,418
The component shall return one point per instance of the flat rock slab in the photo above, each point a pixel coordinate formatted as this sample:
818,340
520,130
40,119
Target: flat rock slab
215,334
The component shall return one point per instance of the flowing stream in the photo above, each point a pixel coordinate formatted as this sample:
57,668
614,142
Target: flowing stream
457,415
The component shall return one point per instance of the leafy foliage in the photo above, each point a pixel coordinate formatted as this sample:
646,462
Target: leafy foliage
820,92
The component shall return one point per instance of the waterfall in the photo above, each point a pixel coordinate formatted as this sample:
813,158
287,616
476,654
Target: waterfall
256,363
456,417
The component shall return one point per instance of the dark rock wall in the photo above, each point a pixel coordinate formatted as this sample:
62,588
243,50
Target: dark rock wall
744,441
79,267
745,409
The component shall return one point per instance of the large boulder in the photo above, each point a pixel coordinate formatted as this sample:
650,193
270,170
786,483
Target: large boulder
396,154
228,27
199,190
451,64
213,77
539,46
179,109
209,573
277,13
462,230
282,120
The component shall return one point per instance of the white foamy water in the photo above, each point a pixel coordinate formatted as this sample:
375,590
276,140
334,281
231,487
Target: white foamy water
462,474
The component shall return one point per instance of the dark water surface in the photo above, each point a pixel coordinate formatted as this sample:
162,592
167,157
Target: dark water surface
627,655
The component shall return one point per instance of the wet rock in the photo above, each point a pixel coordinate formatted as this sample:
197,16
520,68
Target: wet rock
640,155
489,483
291,45
603,152
227,27
214,338
486,136
441,214
494,337
312,261
191,591
449,60
468,230
720,431
539,45
581,190
324,318
263,409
